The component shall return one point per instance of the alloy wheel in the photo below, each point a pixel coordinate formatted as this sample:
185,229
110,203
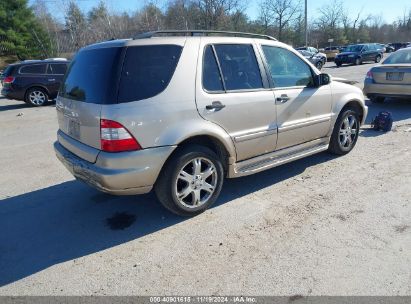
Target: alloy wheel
348,132
196,182
37,98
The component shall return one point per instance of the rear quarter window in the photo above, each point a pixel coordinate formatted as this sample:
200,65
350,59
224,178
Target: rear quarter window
147,71
33,69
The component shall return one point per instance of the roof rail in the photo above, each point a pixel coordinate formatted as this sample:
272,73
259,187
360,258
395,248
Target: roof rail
201,33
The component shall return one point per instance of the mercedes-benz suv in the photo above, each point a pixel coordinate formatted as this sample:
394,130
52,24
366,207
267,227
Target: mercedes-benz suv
181,111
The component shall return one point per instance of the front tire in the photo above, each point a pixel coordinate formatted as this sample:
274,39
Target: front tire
319,65
36,97
190,181
358,61
345,133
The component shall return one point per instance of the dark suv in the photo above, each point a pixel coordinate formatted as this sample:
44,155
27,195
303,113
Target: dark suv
33,81
359,53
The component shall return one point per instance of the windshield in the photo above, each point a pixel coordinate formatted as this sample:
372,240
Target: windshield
399,57
354,48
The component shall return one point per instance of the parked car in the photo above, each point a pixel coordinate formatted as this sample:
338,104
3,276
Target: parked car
33,81
314,51
390,79
180,113
359,53
398,45
331,52
317,61
389,48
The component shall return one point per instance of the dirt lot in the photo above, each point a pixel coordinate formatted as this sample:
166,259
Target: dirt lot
324,225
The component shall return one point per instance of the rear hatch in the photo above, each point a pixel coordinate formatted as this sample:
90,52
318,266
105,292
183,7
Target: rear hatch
392,74
90,82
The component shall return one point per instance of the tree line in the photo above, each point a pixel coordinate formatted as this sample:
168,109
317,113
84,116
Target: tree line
34,32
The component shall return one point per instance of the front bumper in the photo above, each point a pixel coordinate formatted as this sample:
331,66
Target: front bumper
345,59
124,173
372,89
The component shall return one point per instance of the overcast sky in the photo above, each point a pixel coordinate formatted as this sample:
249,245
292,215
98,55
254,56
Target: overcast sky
390,10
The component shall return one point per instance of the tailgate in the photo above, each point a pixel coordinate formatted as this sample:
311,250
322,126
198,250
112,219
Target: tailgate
80,122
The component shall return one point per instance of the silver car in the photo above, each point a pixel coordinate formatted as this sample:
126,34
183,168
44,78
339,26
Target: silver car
390,79
181,111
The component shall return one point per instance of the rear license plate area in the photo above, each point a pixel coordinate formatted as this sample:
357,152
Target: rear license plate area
72,127
395,76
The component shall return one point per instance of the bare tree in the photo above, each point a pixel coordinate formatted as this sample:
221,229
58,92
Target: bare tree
283,12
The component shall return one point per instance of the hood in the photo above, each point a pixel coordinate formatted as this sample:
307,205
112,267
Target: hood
343,80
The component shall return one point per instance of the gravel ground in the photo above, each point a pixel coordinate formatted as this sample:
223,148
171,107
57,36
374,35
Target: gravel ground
323,225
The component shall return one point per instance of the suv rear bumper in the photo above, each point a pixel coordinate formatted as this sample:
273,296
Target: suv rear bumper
124,173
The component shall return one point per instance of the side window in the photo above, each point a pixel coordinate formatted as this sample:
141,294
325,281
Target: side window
57,68
211,74
287,69
239,66
365,48
33,69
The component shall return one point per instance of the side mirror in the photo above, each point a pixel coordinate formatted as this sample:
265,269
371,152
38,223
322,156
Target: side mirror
322,80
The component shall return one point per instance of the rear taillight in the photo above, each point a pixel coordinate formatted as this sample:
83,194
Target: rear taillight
369,75
115,138
8,79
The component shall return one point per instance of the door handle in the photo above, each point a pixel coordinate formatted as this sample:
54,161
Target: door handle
52,79
215,105
283,98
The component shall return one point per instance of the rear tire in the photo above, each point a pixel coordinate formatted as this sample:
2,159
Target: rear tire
338,64
377,59
319,65
36,97
190,181
345,133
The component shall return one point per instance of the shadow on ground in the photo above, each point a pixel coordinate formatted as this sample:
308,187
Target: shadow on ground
21,105
334,66
70,220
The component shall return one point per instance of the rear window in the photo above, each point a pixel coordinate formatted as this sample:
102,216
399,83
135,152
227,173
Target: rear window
33,69
147,71
91,76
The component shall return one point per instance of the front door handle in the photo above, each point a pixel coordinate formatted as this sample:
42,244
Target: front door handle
215,105
283,98
53,79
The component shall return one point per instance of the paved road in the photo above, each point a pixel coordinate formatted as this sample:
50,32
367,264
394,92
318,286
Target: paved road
320,226
351,72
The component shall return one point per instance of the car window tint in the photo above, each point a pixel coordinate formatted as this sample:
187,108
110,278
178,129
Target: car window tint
211,74
57,68
91,76
147,71
239,66
33,69
286,68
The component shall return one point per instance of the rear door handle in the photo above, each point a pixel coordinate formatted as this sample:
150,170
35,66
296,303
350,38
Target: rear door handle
215,105
53,79
283,98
